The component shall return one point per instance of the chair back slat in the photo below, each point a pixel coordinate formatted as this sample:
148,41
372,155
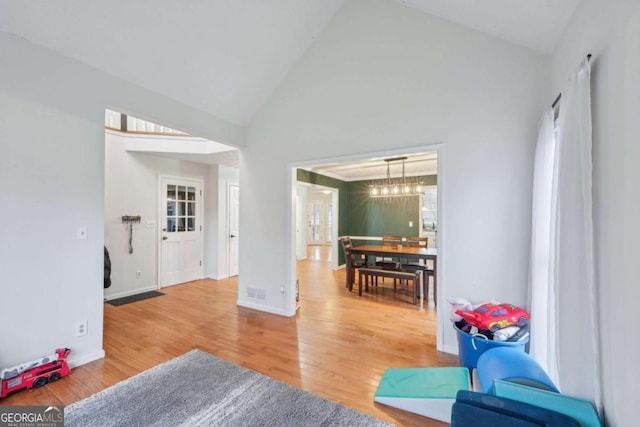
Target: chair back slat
391,240
346,244
417,241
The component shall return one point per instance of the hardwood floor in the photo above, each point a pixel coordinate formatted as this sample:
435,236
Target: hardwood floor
337,346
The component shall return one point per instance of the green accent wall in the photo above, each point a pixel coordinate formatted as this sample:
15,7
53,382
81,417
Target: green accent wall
361,215
368,216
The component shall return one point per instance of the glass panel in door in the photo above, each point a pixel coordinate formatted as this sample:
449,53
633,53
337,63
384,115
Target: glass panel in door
316,212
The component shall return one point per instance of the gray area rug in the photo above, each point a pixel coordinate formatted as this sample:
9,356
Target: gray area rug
198,389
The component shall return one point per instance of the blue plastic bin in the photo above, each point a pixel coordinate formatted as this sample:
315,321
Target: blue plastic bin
471,347
508,364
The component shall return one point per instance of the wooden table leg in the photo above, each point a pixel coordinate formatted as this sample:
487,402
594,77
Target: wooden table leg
435,282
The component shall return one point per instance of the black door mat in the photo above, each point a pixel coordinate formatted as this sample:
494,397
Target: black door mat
134,298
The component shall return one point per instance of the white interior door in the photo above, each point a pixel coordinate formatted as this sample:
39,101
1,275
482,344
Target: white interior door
234,229
181,237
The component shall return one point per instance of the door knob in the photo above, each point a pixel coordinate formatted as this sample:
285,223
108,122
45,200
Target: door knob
164,237
232,235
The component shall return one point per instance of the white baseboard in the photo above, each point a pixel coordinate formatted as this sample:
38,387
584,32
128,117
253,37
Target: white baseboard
129,293
218,277
262,307
74,362
451,349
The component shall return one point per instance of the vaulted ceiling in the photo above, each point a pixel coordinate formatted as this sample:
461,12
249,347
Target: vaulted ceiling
226,57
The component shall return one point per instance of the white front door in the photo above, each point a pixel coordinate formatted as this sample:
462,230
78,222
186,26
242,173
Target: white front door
181,237
234,229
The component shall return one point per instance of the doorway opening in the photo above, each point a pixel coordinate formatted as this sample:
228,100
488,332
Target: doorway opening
173,182
363,163
317,221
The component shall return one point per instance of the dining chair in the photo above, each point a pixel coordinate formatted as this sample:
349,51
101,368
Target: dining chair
389,263
386,262
352,262
421,265
391,240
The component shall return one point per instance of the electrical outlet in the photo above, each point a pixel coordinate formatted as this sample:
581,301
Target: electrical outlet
138,274
82,329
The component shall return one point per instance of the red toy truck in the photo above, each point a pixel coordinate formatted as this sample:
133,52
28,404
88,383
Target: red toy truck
491,317
35,373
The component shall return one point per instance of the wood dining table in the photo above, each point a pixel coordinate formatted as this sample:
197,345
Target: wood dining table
395,251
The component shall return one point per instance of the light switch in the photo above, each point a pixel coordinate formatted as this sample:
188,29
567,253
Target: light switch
82,233
410,223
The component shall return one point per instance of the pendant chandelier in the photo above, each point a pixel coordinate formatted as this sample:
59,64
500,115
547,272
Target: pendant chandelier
396,187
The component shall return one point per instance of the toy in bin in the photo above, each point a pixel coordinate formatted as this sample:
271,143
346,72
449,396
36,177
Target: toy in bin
35,373
493,317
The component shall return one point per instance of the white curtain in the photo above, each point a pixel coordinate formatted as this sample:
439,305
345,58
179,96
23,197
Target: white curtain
541,285
570,353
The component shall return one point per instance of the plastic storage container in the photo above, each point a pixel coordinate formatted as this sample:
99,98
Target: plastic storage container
508,364
471,347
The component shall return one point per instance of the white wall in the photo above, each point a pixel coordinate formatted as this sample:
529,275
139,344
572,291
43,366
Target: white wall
384,77
52,185
131,188
610,31
52,170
